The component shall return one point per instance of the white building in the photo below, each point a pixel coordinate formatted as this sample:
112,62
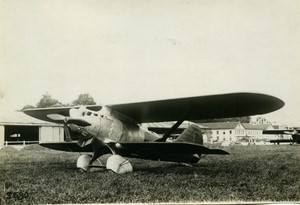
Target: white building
234,131
225,131
255,131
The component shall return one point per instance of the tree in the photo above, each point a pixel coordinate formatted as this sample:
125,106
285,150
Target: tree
48,101
84,99
260,120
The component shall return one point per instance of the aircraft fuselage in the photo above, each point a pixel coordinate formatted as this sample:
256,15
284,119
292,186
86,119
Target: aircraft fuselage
108,126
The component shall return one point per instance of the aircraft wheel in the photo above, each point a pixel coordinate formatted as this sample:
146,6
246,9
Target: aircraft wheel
118,164
83,162
103,159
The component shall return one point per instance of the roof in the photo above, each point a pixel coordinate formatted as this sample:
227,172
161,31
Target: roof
221,125
19,118
257,126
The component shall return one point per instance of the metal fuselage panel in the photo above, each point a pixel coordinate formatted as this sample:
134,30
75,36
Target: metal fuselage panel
107,127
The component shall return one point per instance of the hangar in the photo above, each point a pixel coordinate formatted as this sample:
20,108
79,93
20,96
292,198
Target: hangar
16,128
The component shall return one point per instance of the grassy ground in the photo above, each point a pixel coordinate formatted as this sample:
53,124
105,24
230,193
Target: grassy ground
251,173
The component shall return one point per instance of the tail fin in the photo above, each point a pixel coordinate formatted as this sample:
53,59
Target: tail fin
191,134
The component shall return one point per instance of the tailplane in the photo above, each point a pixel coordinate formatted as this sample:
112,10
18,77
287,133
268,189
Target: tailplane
191,134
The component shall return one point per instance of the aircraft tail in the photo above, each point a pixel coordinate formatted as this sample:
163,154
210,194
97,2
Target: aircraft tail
191,134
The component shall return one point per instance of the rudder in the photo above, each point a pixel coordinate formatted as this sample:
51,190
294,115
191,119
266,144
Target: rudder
191,134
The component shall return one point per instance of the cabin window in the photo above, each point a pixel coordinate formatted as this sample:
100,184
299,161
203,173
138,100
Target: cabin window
89,113
217,132
223,133
95,114
230,132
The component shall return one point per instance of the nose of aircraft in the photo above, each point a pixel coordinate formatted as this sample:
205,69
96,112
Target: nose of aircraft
69,120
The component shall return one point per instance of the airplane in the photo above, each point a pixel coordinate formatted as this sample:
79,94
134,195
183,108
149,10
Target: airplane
295,133
117,129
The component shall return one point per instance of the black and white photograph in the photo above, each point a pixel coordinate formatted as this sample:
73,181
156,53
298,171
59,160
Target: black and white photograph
163,101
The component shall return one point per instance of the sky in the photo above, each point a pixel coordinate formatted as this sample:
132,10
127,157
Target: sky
129,51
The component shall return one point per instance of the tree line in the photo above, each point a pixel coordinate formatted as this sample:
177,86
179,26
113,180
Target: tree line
48,101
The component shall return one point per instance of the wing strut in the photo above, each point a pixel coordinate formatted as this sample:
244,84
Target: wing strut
173,128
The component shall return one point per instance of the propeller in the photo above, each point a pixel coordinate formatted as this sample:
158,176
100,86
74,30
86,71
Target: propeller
79,122
66,120
77,125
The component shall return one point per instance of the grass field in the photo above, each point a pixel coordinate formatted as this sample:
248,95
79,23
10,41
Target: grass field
251,173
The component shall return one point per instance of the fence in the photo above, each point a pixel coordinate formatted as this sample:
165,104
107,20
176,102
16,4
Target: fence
6,143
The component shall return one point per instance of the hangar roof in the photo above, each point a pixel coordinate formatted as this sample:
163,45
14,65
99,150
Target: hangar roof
19,118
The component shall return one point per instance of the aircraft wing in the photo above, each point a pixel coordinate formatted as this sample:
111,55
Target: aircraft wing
167,147
191,108
140,150
41,113
67,146
203,107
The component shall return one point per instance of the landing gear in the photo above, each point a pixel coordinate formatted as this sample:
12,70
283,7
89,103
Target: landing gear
116,163
83,162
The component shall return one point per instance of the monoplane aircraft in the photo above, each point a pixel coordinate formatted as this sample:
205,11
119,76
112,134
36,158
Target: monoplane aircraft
116,129
295,133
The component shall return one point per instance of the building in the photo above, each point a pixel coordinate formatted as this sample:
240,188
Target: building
237,131
225,131
18,128
255,131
